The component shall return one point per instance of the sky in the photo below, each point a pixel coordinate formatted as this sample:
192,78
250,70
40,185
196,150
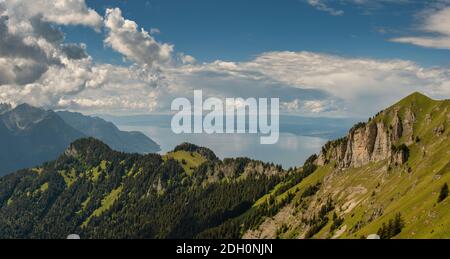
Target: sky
339,58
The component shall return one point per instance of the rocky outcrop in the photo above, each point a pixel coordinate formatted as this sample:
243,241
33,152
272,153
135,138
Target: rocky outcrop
408,126
399,155
71,152
438,131
382,143
360,146
372,142
397,128
333,150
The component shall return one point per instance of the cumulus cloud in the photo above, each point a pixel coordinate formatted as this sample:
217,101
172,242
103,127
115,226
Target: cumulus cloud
74,51
186,59
63,12
37,66
115,89
136,45
21,62
436,26
318,83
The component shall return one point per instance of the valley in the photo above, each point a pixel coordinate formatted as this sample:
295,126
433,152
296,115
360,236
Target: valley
389,176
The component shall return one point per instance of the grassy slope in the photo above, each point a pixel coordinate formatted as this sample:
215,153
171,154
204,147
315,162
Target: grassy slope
415,194
106,204
189,160
410,189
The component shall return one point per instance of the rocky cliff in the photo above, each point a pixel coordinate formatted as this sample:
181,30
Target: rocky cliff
385,137
388,176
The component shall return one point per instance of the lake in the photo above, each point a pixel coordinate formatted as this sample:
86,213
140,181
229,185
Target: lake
291,150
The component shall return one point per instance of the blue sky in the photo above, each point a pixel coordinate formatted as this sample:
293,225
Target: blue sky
238,30
341,58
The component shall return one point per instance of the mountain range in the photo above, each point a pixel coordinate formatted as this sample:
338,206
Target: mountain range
389,176
129,142
31,136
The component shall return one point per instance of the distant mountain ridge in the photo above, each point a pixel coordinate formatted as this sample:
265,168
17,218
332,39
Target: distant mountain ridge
129,142
4,107
31,135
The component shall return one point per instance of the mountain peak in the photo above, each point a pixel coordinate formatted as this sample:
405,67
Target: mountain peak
384,136
417,96
5,107
87,147
417,99
22,117
205,152
26,106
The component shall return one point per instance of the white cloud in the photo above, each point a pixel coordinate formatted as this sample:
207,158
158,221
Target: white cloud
38,67
64,12
437,25
366,5
426,41
155,31
298,106
136,45
317,82
323,6
30,46
307,83
186,59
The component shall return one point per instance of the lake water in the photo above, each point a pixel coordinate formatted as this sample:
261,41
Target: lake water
291,150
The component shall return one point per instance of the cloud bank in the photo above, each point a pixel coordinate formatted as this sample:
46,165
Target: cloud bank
39,67
435,30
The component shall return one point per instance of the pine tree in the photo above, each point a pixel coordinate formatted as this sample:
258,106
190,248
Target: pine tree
398,225
393,228
444,193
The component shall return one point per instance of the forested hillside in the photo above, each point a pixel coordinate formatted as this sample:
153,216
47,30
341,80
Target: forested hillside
99,193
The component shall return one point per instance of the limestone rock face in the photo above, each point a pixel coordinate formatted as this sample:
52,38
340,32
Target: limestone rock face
360,146
399,158
383,144
397,128
321,159
371,142
340,152
408,126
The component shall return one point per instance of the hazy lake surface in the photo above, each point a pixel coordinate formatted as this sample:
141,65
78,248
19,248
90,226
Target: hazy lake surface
291,150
